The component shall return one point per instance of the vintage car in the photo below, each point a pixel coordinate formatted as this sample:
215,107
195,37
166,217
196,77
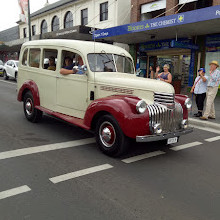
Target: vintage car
106,97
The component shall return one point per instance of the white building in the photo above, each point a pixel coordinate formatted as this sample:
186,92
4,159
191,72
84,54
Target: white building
66,18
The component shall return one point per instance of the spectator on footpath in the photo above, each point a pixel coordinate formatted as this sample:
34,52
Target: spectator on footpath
199,89
165,75
212,89
153,74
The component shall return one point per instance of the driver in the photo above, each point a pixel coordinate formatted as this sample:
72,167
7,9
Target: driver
71,68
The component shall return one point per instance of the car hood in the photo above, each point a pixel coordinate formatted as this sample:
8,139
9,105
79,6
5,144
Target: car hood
109,83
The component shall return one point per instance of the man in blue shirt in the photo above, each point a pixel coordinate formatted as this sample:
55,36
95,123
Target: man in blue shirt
212,89
199,89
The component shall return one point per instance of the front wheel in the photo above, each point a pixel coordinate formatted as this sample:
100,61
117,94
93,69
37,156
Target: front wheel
109,137
32,114
5,75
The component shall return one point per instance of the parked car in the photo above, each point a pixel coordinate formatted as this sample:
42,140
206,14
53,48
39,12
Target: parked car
106,96
1,68
11,69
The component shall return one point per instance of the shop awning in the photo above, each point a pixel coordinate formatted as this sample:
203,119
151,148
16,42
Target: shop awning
183,25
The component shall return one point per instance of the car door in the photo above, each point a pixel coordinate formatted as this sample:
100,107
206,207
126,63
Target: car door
8,67
72,93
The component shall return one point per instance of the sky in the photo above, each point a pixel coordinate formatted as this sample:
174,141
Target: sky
10,10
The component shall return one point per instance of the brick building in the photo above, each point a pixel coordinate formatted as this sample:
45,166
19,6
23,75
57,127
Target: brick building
183,33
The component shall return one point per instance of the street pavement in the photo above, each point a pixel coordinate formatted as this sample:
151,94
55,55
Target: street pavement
52,170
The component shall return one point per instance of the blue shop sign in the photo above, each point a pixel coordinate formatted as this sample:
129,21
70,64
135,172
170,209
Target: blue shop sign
213,40
198,15
166,44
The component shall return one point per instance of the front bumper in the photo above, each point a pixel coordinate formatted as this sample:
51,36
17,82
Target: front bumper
159,137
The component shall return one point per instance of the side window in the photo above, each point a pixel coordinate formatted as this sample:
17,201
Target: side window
70,60
24,58
34,58
49,59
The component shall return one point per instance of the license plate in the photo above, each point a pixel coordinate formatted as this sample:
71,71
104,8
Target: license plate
172,140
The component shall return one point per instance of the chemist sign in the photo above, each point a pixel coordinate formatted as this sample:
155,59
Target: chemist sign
198,15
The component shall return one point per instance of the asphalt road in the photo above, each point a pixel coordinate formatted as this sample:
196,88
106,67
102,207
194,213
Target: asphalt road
153,182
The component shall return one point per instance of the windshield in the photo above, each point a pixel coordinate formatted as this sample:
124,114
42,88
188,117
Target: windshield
104,62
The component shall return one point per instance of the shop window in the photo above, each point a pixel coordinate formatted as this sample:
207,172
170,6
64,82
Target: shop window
55,25
49,59
68,20
104,11
25,32
34,58
33,30
84,16
43,27
24,58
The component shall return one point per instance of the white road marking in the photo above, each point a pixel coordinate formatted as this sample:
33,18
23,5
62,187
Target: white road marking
14,191
207,129
184,146
44,148
213,139
8,82
143,156
79,173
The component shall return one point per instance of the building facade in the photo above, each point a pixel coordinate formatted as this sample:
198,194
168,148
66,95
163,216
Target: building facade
67,19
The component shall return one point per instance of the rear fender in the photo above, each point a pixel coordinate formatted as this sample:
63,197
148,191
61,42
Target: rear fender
29,86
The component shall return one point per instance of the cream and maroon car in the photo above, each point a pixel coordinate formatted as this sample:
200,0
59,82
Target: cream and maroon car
105,97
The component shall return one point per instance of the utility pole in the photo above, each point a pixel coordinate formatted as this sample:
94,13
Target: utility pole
29,20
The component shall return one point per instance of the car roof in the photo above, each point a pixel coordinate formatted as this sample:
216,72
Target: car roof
85,47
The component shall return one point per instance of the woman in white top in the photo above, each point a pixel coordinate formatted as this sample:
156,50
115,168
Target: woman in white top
199,89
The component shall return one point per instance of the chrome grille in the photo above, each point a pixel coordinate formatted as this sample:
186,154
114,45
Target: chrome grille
169,118
164,98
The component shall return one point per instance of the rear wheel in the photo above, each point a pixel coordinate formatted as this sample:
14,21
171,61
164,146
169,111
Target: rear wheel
5,75
32,114
109,136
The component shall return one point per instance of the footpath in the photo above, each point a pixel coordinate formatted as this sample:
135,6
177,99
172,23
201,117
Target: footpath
210,123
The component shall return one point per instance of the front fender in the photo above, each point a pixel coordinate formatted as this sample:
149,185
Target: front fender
181,99
123,109
29,86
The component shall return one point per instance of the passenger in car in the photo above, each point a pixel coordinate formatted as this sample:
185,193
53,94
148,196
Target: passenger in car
52,65
75,68
68,67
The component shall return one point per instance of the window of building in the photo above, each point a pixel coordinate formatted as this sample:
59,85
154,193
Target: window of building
104,11
24,58
43,27
195,5
25,32
84,16
49,59
34,57
33,30
55,25
68,20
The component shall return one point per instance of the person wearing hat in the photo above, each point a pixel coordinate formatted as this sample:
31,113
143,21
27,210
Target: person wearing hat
199,89
212,89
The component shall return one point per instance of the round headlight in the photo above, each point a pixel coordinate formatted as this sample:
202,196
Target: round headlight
157,128
188,103
141,106
184,124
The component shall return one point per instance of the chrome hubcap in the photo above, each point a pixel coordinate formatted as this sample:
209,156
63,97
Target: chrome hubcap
29,107
107,134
